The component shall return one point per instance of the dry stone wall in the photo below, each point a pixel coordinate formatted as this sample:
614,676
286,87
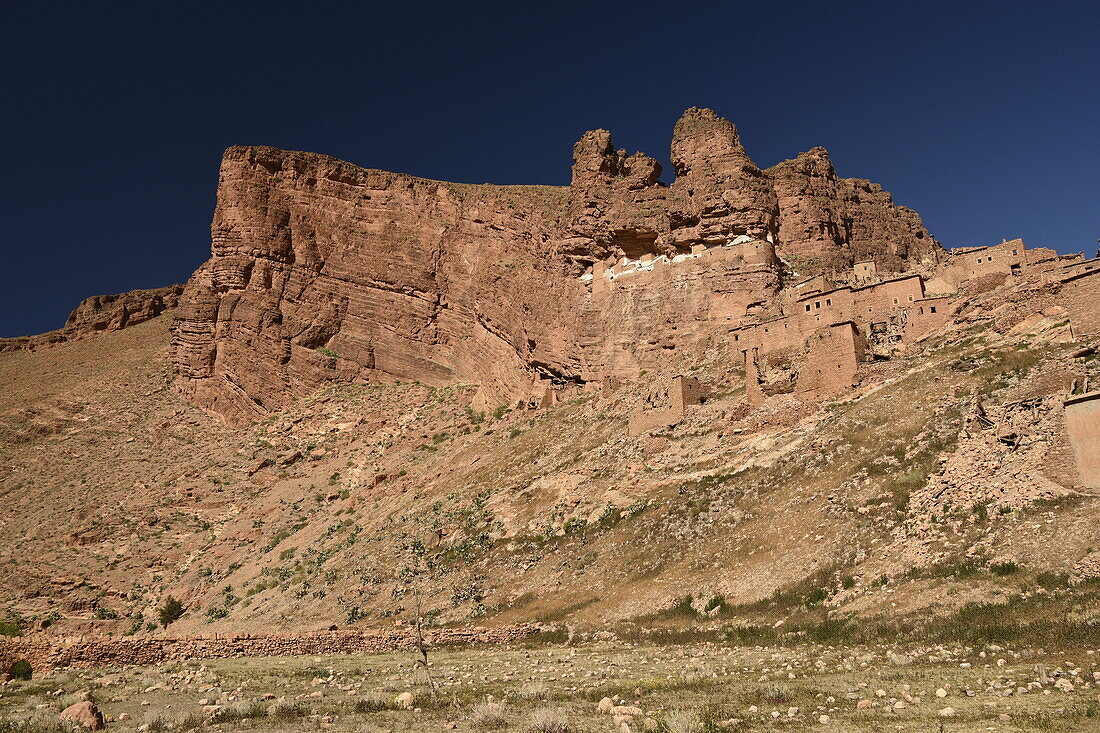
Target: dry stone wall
44,652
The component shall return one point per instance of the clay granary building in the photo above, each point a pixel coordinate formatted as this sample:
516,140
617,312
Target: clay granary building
830,322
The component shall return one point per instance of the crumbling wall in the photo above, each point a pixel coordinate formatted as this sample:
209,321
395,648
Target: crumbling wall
45,653
833,359
1080,295
771,336
1001,459
666,405
926,315
1083,425
754,393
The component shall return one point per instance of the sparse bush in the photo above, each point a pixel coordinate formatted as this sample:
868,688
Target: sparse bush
41,721
242,711
373,702
488,716
11,628
575,524
216,612
548,720
21,670
170,611
105,614
683,607
1052,580
285,710
1004,568
681,721
816,596
325,351
532,691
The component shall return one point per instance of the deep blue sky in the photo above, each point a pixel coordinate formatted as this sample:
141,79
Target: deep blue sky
984,117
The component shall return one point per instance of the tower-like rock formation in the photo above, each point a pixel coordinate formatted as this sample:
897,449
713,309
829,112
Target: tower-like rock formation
719,192
828,223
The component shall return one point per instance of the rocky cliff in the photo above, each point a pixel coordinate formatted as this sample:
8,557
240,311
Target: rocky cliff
828,223
323,271
101,313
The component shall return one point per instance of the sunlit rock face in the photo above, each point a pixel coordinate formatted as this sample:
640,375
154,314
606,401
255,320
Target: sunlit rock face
324,271
829,223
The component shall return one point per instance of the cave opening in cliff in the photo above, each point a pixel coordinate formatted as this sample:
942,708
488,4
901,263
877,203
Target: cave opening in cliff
635,242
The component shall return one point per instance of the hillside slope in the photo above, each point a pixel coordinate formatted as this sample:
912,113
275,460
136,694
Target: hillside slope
944,477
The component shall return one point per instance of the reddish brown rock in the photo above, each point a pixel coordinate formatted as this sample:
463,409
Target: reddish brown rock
114,312
829,223
324,271
720,192
85,714
103,313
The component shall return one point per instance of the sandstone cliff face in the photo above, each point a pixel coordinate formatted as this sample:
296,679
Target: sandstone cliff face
114,312
720,192
828,223
324,271
102,313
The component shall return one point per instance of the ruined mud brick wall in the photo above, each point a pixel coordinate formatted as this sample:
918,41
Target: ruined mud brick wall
45,653
102,313
1068,268
833,359
862,306
970,263
996,263
322,271
1083,426
754,393
666,405
771,336
926,315
1080,295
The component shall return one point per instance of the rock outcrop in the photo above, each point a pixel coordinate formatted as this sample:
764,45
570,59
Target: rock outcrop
324,271
828,223
102,313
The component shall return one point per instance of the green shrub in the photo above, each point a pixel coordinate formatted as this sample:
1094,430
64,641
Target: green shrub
170,611
11,628
102,613
21,670
816,596
1004,568
325,351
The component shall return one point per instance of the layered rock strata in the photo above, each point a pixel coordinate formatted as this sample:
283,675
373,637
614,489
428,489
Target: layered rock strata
322,270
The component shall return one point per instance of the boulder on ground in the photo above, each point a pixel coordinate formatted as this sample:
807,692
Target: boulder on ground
85,714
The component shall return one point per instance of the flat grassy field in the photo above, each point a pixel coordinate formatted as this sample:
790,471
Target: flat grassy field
558,689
